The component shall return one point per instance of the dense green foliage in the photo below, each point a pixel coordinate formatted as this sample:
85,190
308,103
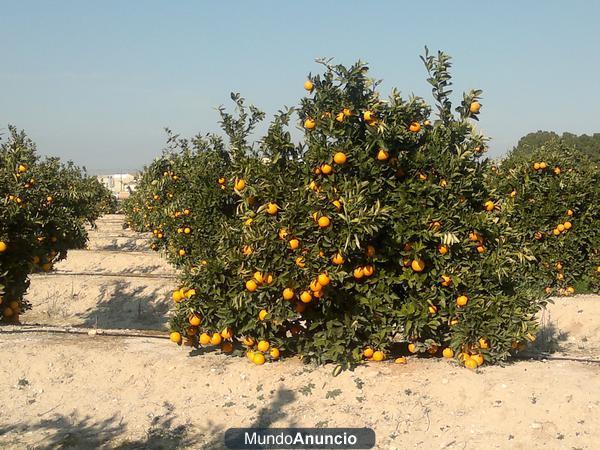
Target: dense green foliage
379,227
585,147
551,197
44,207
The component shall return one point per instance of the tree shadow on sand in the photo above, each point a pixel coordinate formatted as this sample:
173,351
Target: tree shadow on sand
68,432
125,305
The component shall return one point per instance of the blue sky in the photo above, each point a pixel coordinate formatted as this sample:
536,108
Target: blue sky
96,82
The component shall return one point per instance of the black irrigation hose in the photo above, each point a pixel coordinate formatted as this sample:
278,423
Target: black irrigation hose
542,356
158,276
76,330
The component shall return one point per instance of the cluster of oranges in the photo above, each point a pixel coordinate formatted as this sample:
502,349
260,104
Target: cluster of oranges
541,166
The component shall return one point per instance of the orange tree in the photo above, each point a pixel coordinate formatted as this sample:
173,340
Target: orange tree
45,205
551,196
378,228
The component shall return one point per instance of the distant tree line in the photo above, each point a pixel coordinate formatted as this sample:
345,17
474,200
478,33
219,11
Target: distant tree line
588,146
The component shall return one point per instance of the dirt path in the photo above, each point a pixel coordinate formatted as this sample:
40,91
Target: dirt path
85,392
104,301
79,391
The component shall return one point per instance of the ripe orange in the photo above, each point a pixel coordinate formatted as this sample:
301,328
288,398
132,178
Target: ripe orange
378,356
323,279
324,222
187,230
263,346
474,107
462,300
308,85
181,252
484,344
567,225
556,232
221,180
258,277
432,309
174,336
215,339
315,286
569,212
288,294
560,227
309,124
470,363
412,348
368,116
446,280
258,359
22,168
272,209
557,170
368,270
194,320
443,249
250,355
262,314
337,204
382,155
340,116
251,285
339,158
294,243
300,262
478,359
536,166
306,297
417,265
3,246
480,249
400,360
448,353
326,169
274,353
204,339
177,296
489,205
358,273
474,236
571,290
227,333
543,165
337,259
240,184
368,352
247,250
415,127
248,341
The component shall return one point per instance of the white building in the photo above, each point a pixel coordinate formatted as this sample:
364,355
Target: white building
121,184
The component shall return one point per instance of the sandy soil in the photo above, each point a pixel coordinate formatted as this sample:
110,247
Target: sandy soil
80,391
